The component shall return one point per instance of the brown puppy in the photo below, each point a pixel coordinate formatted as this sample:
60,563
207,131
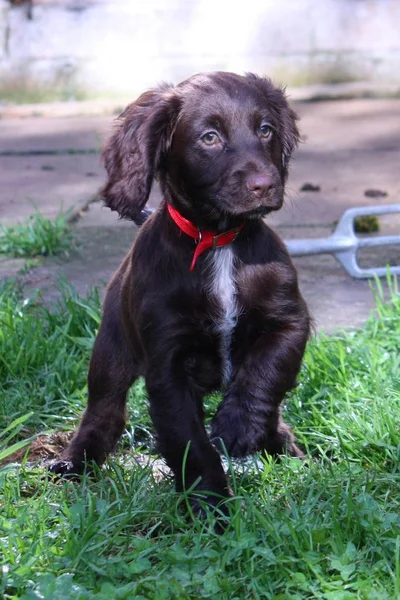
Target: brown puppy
223,314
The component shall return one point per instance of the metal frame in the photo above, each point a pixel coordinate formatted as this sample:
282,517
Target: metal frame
344,243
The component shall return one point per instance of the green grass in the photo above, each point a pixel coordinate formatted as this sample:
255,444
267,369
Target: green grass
37,236
19,88
325,528
366,224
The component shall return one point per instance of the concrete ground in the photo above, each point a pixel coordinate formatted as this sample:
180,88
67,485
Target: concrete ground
51,163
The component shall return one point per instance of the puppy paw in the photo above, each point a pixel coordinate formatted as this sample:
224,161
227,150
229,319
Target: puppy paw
65,468
206,505
240,433
293,450
282,441
236,436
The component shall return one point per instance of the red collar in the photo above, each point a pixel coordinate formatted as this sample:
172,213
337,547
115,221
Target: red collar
204,239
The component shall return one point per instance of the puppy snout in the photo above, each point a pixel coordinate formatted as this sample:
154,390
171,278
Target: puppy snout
259,184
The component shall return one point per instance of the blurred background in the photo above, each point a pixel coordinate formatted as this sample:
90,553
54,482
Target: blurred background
75,49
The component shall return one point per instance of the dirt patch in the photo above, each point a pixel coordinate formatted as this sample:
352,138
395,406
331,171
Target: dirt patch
43,448
46,448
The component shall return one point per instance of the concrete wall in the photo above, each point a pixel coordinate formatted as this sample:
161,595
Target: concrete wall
122,46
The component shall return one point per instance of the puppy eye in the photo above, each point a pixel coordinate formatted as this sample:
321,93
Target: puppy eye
265,131
210,138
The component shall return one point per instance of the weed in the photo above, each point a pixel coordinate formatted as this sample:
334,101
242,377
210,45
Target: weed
38,236
366,224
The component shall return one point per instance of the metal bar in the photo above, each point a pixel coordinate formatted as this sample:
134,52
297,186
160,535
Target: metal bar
379,240
330,245
337,243
344,243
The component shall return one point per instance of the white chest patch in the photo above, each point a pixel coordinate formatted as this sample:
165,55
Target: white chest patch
223,291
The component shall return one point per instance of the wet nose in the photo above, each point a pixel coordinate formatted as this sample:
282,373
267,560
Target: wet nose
259,184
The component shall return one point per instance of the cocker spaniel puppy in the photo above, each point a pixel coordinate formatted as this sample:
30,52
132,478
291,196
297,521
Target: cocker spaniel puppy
207,299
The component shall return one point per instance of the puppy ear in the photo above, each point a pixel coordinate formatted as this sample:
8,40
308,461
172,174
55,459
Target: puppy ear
285,117
290,135
133,154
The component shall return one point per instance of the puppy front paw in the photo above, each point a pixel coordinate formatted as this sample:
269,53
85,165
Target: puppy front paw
293,450
241,430
233,432
65,468
204,504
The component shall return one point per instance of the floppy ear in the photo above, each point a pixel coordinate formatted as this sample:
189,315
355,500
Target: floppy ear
290,135
285,117
133,154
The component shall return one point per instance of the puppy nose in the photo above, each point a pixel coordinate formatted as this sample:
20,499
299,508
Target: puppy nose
259,184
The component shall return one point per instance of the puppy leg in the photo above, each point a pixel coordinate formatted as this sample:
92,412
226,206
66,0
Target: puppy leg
175,410
249,417
112,371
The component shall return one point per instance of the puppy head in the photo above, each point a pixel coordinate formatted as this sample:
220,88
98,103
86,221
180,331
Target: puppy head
220,144
231,147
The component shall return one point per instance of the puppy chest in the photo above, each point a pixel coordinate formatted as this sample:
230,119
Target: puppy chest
222,293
